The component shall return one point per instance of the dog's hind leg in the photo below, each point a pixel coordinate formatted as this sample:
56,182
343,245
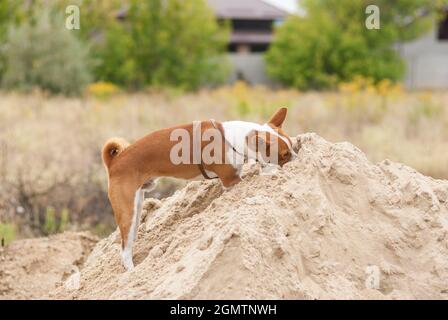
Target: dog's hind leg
126,204
132,234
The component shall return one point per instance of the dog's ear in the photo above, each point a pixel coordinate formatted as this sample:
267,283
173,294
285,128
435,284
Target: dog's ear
278,118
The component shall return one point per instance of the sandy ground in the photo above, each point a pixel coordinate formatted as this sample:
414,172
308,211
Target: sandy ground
329,225
31,268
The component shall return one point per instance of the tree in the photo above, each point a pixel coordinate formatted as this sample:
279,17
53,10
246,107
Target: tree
163,42
8,16
331,43
42,52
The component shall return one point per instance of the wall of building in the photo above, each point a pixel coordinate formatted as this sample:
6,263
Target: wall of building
427,62
250,67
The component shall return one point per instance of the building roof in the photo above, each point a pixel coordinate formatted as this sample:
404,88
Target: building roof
246,9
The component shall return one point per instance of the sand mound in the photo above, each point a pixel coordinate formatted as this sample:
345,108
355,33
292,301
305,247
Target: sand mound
31,268
328,225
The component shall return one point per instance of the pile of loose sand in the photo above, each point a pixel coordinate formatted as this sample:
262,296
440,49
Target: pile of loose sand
31,268
328,225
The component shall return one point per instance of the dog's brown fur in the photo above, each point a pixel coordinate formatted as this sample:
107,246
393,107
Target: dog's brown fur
129,167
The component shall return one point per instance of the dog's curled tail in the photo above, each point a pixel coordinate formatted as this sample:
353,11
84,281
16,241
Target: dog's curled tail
112,148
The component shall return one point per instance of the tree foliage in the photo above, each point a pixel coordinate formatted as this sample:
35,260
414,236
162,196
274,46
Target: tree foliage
41,52
8,16
163,43
331,43
155,43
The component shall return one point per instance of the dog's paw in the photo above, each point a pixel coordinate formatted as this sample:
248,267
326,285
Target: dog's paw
230,184
126,259
128,265
268,170
129,268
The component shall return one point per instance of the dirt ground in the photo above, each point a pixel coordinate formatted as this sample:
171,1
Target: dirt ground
329,225
32,268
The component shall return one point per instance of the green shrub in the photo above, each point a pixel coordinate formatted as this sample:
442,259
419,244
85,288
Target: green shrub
7,232
172,43
331,43
50,224
8,15
56,222
41,52
64,220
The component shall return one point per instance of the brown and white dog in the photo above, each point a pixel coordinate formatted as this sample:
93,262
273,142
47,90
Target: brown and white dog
132,168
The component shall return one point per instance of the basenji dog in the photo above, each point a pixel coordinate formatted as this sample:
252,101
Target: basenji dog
132,168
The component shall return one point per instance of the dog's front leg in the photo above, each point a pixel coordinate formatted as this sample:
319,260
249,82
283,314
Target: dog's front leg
228,174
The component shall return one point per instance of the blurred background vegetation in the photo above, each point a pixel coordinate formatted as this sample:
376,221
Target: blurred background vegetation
179,41
136,66
329,46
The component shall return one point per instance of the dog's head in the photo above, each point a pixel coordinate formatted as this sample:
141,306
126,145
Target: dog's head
271,144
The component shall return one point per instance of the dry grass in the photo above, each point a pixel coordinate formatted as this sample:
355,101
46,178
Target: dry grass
50,160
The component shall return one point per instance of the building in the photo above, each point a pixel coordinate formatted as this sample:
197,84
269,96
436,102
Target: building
427,59
252,24
253,21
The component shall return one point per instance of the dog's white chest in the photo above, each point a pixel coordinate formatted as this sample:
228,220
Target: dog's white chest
235,133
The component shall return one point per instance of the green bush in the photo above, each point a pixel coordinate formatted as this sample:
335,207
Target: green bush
7,232
50,224
331,43
163,43
64,220
41,52
56,222
8,15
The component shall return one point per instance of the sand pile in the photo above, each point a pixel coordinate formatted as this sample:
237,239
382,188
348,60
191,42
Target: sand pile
31,268
328,225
